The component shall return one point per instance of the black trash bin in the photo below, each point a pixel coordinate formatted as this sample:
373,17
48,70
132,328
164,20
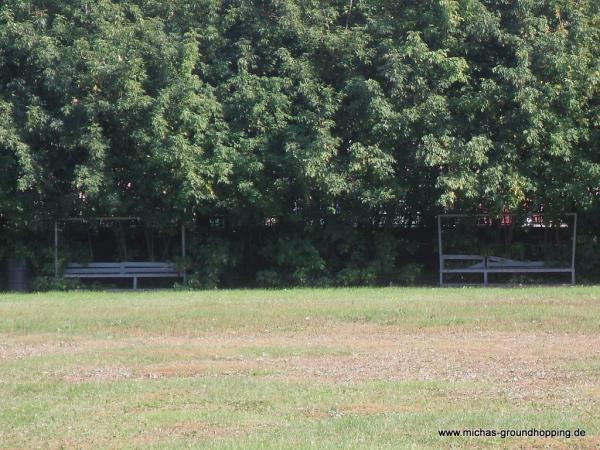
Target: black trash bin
18,275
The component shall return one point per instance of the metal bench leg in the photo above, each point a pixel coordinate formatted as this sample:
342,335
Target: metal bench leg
485,278
134,283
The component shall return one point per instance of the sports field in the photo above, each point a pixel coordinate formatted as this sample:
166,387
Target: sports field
348,368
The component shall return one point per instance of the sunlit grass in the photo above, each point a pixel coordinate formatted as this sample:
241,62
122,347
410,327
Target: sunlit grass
196,313
185,369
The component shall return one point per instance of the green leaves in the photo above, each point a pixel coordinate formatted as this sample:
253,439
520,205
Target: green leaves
248,109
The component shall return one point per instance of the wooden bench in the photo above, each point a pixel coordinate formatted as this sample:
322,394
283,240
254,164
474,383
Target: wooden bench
132,270
494,264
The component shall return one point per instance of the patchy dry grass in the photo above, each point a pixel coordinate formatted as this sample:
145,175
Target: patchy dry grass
350,368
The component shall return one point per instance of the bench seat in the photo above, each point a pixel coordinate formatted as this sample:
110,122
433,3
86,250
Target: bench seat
494,264
509,270
125,269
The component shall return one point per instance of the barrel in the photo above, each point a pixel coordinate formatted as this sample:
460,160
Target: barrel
17,271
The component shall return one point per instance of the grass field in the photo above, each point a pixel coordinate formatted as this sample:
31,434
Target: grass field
348,368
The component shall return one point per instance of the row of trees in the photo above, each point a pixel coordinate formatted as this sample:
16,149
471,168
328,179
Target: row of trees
335,122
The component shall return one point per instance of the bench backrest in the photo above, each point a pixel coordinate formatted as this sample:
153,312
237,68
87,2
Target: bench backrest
479,261
122,268
493,262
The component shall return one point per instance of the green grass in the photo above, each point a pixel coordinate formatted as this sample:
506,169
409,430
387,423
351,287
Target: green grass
75,366
190,314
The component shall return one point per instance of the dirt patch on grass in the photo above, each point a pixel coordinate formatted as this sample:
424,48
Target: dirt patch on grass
43,345
36,345
198,429
368,409
451,357
514,366
360,409
189,432
197,368
105,373
562,444
521,367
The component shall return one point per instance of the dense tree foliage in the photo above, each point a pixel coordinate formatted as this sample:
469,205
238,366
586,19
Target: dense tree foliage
308,141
